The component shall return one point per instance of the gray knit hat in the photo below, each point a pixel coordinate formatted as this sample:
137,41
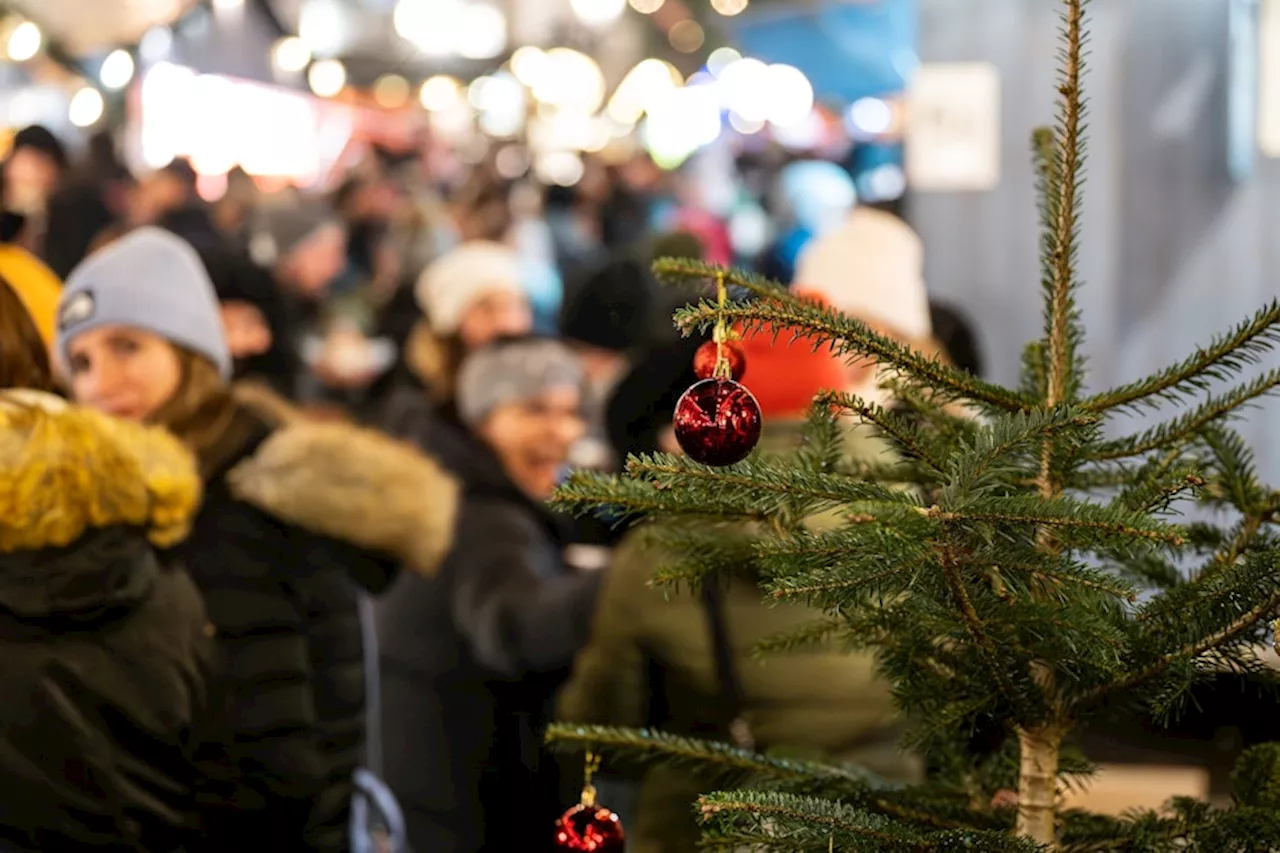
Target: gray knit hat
149,280
513,371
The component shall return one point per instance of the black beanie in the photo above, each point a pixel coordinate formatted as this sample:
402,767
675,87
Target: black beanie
41,139
611,308
645,400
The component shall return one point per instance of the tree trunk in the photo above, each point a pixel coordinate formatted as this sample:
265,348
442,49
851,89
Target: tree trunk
1038,784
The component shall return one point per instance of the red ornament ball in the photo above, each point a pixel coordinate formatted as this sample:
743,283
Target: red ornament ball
704,360
593,828
717,422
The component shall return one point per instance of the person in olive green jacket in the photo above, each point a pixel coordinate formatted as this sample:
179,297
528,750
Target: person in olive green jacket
651,660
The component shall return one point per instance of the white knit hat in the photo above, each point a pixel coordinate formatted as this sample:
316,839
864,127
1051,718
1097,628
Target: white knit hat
451,284
871,267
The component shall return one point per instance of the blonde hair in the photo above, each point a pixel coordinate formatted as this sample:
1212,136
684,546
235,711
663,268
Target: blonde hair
202,409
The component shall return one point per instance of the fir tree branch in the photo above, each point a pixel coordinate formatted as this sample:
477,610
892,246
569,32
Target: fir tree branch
799,822
1062,329
588,491
709,756
1225,356
1080,576
762,480
1182,428
1015,433
1229,633
811,634
1061,513
893,426
856,827
850,337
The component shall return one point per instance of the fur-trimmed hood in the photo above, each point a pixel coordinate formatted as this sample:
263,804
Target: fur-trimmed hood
66,470
350,484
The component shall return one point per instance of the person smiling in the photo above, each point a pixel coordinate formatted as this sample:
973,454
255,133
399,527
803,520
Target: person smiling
297,517
471,658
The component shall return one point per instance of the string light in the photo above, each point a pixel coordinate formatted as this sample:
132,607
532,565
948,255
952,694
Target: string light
327,77
291,54
687,36
729,8
391,91
647,7
25,41
440,93
86,107
117,70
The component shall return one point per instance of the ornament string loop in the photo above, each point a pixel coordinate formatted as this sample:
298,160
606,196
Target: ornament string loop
591,766
721,332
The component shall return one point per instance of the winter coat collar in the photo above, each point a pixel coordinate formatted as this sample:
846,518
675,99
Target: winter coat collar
104,572
346,483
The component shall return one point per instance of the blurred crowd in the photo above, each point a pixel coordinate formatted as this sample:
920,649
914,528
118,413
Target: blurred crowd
276,540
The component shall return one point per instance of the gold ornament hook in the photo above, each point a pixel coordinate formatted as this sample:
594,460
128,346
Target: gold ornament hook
592,764
721,332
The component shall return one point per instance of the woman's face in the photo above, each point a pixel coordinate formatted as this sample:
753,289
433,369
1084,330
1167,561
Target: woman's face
123,371
497,314
532,437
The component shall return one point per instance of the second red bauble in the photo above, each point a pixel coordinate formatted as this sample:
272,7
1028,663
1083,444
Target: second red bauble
591,828
704,360
717,422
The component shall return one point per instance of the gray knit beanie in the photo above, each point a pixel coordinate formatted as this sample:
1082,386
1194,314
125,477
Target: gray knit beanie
150,280
511,372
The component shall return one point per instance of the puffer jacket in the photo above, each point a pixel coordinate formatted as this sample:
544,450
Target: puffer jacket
299,518
471,660
105,653
650,662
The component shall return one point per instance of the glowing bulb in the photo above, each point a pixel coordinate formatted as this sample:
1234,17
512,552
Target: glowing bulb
291,54
327,77
25,41
227,5
156,44
572,80
729,8
440,93
871,116
391,91
789,96
744,85
647,7
117,70
598,13
528,63
562,168
482,32
720,59
86,107
687,36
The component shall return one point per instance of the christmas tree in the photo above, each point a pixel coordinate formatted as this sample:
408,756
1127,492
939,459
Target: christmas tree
1022,562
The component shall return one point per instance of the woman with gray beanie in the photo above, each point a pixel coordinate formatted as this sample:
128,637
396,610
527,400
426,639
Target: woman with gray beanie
297,518
471,658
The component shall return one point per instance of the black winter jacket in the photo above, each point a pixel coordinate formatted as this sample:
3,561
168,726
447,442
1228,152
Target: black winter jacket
104,673
105,652
297,520
471,660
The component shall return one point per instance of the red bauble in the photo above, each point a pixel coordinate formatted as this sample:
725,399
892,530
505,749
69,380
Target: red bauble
717,422
704,360
586,827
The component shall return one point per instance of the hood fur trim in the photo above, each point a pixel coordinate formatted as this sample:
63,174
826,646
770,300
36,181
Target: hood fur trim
354,485
66,469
